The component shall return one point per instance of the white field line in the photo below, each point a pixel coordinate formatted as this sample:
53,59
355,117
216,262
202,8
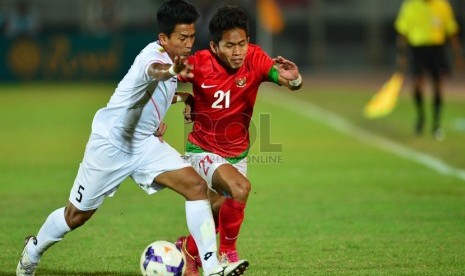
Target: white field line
316,113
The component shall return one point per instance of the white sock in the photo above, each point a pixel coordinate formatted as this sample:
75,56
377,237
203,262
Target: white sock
202,228
51,232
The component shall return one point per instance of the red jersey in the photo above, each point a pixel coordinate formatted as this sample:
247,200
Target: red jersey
224,100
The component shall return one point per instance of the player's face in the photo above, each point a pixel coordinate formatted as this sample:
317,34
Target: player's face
232,48
180,42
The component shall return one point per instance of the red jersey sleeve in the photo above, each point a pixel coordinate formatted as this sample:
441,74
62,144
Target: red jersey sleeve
261,60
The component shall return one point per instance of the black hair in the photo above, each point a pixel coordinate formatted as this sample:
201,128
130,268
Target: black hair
174,12
227,18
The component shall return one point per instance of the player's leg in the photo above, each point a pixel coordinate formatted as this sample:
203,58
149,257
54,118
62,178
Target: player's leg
198,211
184,181
418,60
187,243
199,218
419,105
228,180
87,194
55,227
437,131
439,68
216,201
166,168
51,232
57,224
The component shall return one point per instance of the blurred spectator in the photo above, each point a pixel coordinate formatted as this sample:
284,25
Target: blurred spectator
23,21
2,18
102,17
425,27
296,3
206,9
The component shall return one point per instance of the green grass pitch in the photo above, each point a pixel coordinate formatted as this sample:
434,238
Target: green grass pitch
326,203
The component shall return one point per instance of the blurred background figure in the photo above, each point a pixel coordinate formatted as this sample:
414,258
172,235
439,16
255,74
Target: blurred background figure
22,22
323,36
102,17
2,18
425,27
206,9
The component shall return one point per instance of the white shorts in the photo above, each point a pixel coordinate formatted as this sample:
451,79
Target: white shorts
104,167
206,163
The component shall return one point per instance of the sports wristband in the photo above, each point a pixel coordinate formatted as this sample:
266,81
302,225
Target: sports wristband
296,82
171,71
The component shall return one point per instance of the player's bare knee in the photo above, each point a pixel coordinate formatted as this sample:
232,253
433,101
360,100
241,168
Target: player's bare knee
197,190
216,202
241,190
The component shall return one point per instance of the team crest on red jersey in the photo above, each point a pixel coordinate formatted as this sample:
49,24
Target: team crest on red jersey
241,81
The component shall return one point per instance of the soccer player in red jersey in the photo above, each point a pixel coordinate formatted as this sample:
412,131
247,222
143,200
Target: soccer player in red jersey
225,85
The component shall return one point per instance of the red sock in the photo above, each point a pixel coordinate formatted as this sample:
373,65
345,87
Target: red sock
192,246
230,221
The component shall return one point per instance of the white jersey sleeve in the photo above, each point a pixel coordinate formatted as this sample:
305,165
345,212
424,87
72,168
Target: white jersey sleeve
138,104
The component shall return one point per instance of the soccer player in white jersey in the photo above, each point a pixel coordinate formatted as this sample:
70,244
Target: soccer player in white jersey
122,144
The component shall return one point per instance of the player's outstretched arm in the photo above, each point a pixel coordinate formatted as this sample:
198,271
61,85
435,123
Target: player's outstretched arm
289,75
163,72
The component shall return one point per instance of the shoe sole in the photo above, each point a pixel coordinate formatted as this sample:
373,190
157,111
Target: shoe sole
240,269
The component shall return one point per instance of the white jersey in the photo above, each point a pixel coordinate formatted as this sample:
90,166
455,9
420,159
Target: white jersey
138,105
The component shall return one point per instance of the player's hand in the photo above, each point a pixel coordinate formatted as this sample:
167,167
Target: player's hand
188,109
182,67
286,68
160,131
188,116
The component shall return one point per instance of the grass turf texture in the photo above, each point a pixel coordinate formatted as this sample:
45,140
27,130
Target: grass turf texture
331,205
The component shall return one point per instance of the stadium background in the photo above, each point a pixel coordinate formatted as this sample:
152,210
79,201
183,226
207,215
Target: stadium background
90,39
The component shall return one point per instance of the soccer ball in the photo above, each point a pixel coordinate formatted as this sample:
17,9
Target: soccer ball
162,258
